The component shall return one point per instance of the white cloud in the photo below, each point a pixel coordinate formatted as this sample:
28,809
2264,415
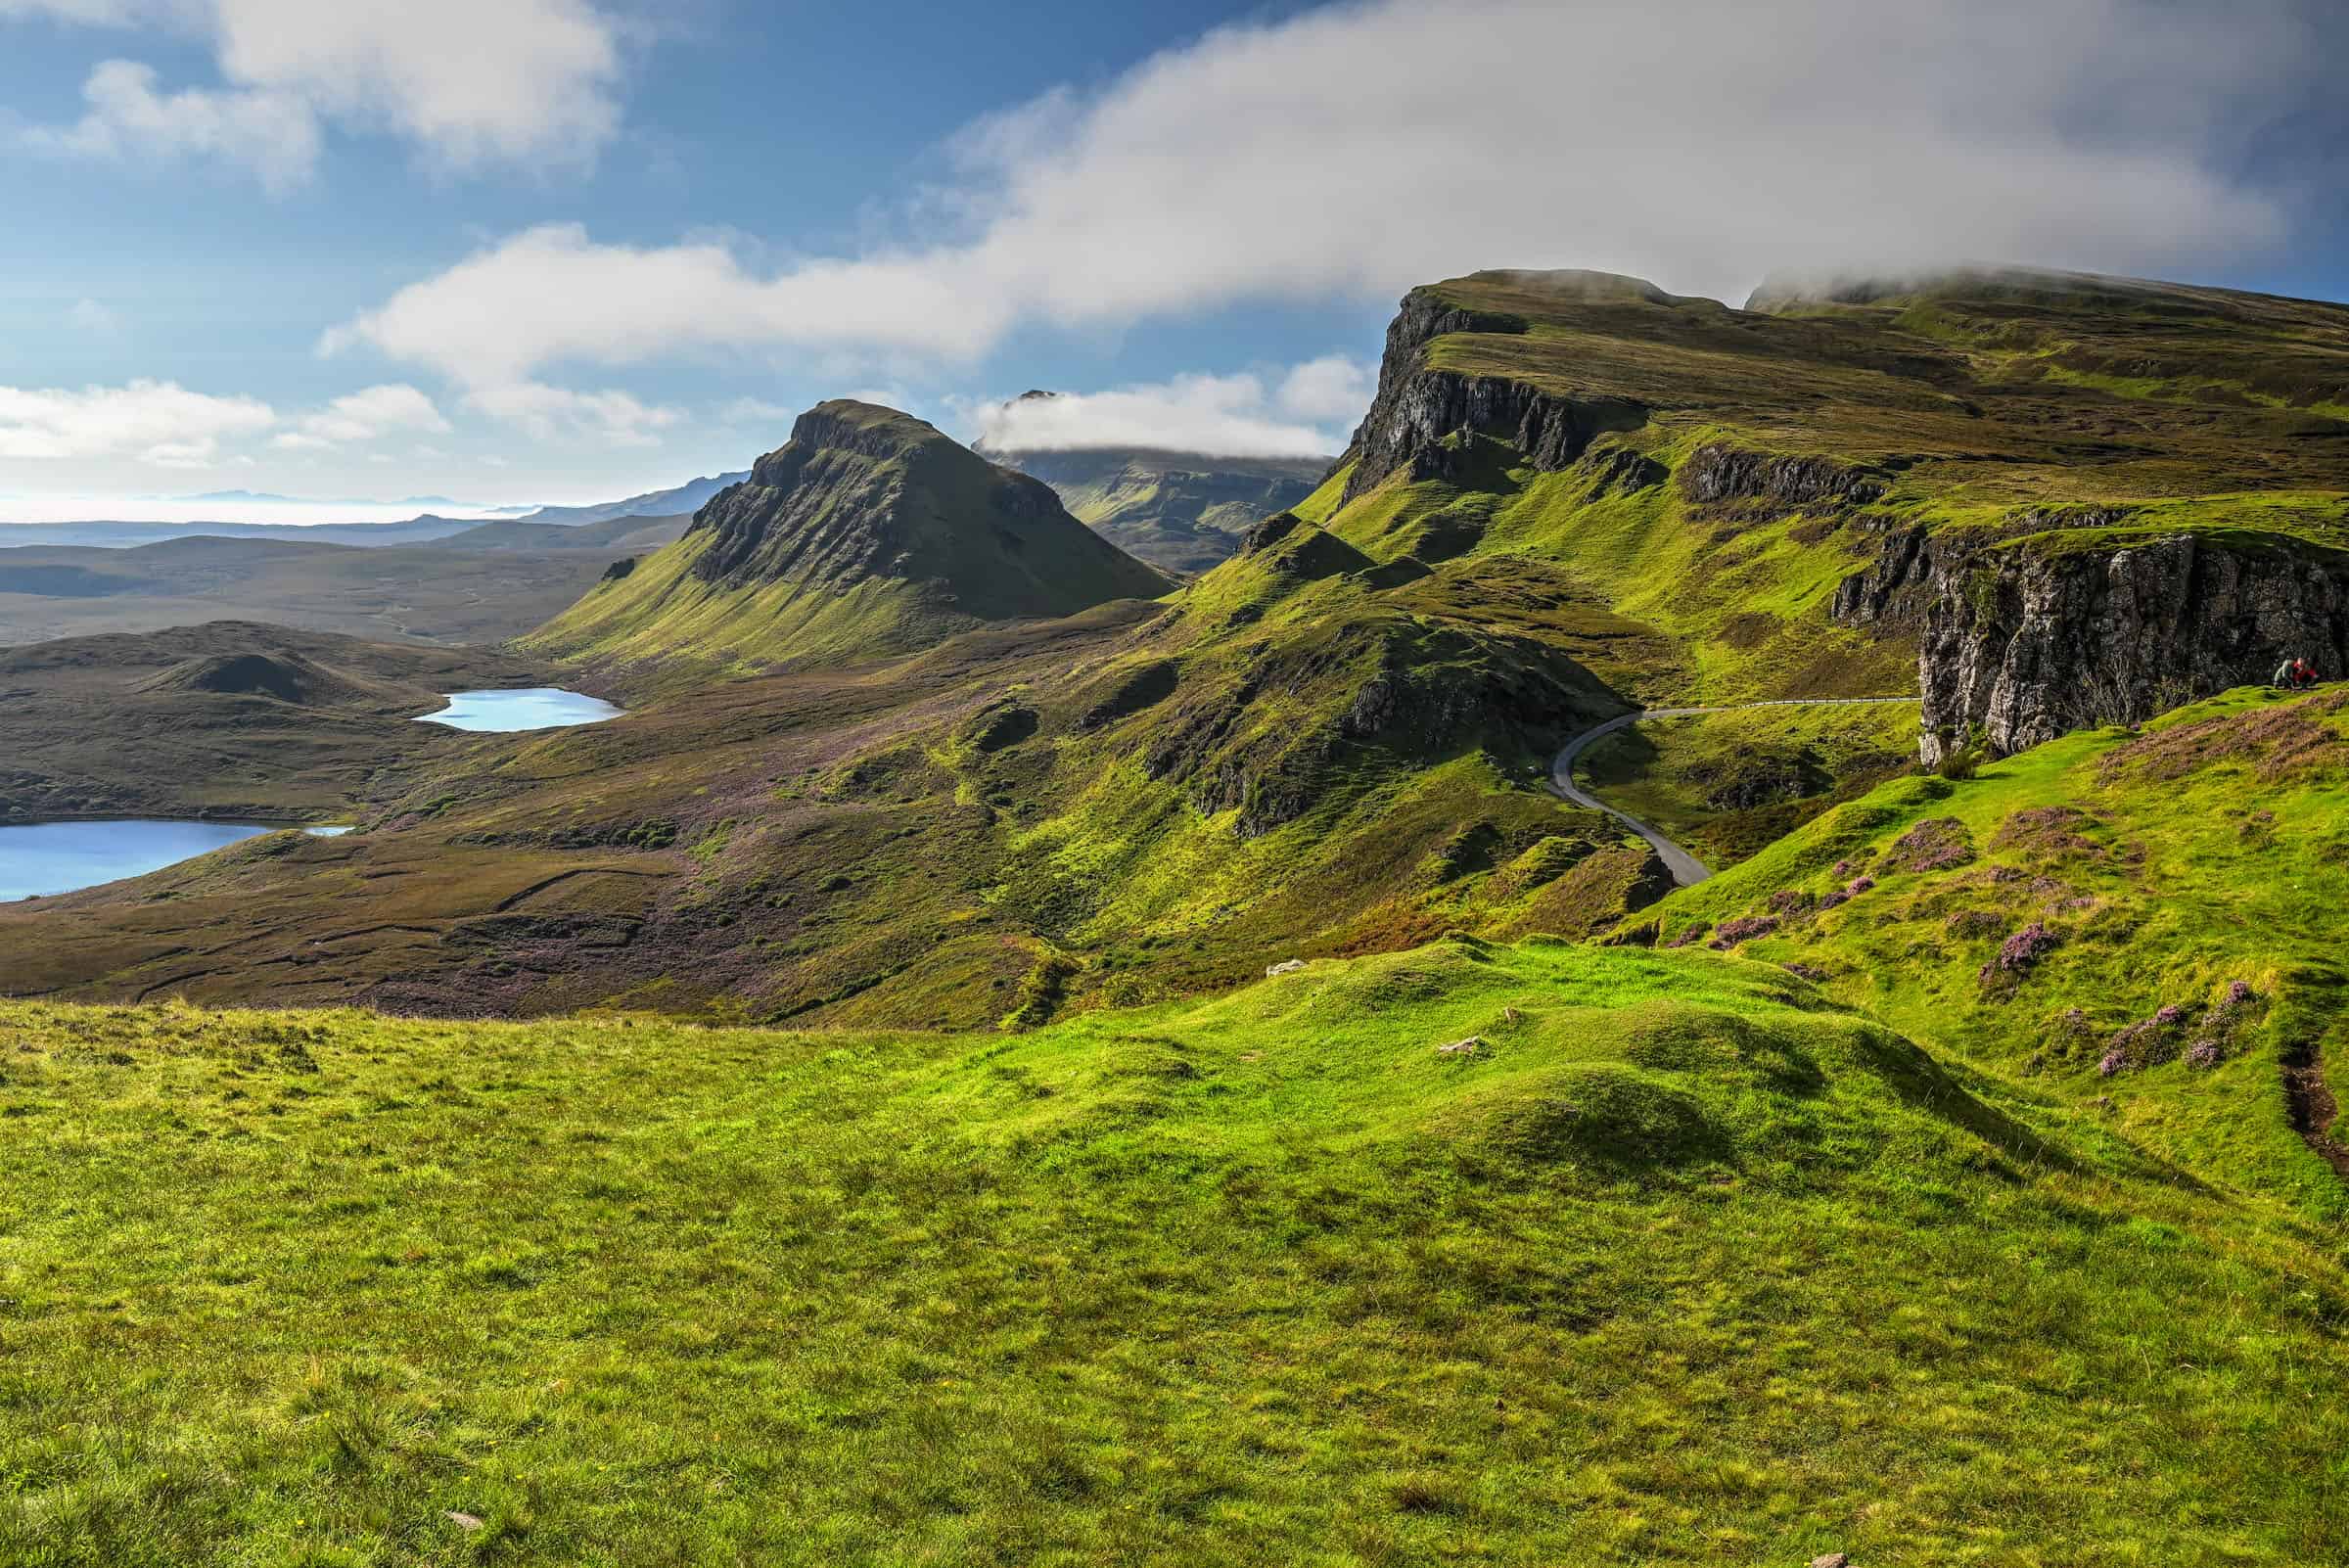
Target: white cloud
365,416
551,293
1359,149
148,421
91,316
755,411
1225,416
274,135
470,82
1332,387
552,412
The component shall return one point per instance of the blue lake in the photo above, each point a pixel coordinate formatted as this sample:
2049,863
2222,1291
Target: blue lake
46,859
530,708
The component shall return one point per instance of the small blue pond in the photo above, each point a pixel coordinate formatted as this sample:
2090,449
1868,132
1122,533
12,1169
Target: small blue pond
46,859
530,708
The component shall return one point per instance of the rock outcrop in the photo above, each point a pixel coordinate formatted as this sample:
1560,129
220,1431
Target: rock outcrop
2028,642
1721,472
1418,407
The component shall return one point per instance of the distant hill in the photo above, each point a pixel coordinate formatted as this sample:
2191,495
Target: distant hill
1184,511
1179,510
618,534
868,533
231,719
483,585
108,535
687,498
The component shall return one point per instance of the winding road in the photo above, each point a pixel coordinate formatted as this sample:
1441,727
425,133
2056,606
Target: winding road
1686,868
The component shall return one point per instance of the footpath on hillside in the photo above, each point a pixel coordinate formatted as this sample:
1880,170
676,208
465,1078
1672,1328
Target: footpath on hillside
1686,868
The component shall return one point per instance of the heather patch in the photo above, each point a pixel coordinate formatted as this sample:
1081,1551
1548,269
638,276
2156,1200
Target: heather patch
1937,844
2284,743
1743,929
2048,832
2017,957
2204,1038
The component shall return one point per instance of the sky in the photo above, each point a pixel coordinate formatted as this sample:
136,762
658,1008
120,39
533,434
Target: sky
505,251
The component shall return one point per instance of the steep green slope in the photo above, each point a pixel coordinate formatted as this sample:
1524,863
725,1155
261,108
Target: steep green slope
2149,924
868,534
1679,1264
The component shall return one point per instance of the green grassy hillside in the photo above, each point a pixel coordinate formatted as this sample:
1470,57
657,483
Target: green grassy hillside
1710,475
1574,495
1680,1263
2147,925
868,534
1726,785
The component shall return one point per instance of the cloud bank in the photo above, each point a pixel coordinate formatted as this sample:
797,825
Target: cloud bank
1224,416
467,83
1359,149
155,422
365,416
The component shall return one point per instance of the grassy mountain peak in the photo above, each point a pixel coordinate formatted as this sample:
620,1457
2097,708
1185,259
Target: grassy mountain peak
868,533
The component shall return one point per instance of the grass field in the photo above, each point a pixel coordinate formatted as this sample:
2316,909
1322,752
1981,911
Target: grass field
1683,1263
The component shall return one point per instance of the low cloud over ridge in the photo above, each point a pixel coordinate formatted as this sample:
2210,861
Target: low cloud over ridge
1358,149
1221,416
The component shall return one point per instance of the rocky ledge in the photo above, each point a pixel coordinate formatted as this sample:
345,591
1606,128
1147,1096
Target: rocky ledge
2027,643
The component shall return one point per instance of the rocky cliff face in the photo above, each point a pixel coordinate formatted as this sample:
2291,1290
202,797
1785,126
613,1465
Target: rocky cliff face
1720,473
1418,407
2029,643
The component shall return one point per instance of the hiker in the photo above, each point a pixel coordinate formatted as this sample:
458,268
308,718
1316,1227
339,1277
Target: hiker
2281,681
2295,674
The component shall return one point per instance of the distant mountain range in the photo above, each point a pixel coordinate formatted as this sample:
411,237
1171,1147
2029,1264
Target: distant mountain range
680,500
687,497
1184,511
270,498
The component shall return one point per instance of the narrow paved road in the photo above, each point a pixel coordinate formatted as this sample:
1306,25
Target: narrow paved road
1686,868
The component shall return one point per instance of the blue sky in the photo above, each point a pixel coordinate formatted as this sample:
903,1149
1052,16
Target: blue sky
559,249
